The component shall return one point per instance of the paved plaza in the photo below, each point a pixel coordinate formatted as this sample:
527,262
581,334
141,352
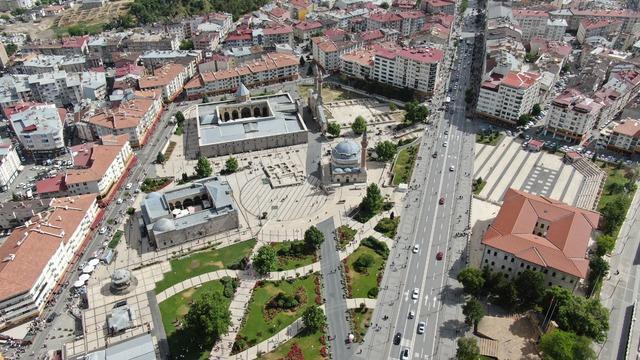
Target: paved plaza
508,165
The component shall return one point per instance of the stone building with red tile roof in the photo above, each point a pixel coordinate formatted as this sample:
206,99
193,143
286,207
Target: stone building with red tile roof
533,232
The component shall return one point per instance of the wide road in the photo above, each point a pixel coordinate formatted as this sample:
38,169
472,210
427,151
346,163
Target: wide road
431,226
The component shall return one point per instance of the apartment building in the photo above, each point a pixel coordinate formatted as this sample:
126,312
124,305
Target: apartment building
169,80
537,233
134,116
623,136
384,20
413,68
599,28
327,52
74,45
628,17
140,42
347,18
532,22
36,256
299,9
506,98
572,115
621,88
358,64
304,30
271,68
58,87
267,37
206,41
157,58
50,63
9,164
555,30
39,128
438,6
412,22
97,168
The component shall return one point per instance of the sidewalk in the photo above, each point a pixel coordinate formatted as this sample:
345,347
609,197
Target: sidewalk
195,281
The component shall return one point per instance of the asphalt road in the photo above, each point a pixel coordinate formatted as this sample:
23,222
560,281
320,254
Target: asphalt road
144,166
430,225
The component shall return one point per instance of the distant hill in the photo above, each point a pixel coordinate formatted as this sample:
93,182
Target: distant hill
149,11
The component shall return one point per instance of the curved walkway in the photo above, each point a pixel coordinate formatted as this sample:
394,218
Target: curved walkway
195,281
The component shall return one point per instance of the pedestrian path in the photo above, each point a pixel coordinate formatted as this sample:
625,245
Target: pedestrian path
354,303
195,281
222,348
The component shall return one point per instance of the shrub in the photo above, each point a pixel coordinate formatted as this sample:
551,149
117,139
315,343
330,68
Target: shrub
373,292
378,246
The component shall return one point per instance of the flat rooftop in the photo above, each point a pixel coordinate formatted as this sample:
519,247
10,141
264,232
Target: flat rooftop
283,119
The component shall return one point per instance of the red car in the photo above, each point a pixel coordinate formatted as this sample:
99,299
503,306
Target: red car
439,255
441,201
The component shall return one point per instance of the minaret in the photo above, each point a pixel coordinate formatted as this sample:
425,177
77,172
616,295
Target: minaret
319,84
363,151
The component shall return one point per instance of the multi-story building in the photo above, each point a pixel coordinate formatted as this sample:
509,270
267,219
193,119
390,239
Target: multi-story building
384,20
50,63
572,115
304,30
506,98
206,41
75,45
327,52
623,136
188,58
16,213
39,128
438,6
36,256
94,85
537,233
271,68
169,79
532,22
299,9
629,18
97,168
358,64
412,22
600,28
621,88
413,68
140,42
58,87
101,48
134,116
267,37
347,19
555,29
9,164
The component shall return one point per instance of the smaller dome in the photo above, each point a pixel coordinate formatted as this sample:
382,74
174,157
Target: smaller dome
121,275
164,225
154,195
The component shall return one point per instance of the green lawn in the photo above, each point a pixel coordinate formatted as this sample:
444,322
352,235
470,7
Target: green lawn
256,326
493,139
614,176
308,342
388,226
173,310
203,262
404,165
286,262
361,283
361,320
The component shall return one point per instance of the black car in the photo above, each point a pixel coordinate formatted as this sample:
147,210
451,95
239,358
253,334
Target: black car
52,317
397,338
435,155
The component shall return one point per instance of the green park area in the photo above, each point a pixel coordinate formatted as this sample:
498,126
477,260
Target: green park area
293,254
309,344
275,305
361,320
364,268
203,262
404,165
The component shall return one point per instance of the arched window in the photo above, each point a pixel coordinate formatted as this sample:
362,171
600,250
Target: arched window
265,111
187,202
246,112
178,205
234,114
256,112
226,116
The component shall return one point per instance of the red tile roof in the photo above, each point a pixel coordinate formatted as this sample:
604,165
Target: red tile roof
51,185
563,247
74,42
308,25
529,13
521,80
595,24
628,127
275,30
384,17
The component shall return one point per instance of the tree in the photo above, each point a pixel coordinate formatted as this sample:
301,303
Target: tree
160,159
605,243
295,353
386,150
313,318
179,117
585,317
598,268
415,112
536,110
205,99
313,238
530,287
265,260
471,280
359,126
186,45
614,213
562,345
231,165
333,129
524,119
384,5
363,262
203,167
302,62
393,107
506,293
208,317
473,312
467,349
373,201
11,48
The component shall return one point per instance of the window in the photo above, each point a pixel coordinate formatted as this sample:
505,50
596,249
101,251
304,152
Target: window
486,261
513,259
493,263
502,267
495,253
505,257
509,269
521,265
488,251
553,274
528,267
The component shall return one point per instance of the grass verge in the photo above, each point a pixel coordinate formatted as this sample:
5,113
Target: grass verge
404,165
286,261
361,320
309,342
115,239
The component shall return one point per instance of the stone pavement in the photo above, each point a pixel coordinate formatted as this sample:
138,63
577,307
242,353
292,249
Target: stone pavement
354,303
222,349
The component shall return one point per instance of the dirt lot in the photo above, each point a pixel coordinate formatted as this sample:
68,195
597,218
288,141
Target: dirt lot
39,30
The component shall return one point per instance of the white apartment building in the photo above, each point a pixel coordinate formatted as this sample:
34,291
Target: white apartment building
271,68
505,98
621,88
623,136
327,52
411,68
94,85
531,232
169,79
555,30
140,42
358,64
532,22
9,164
134,117
572,115
49,63
37,254
599,28
39,128
58,87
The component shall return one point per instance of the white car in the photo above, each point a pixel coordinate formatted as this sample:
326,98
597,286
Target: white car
445,144
119,201
102,230
129,186
412,314
421,326
415,294
452,168
416,248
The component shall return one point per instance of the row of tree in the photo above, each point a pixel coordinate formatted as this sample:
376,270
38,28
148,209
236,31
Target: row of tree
266,259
